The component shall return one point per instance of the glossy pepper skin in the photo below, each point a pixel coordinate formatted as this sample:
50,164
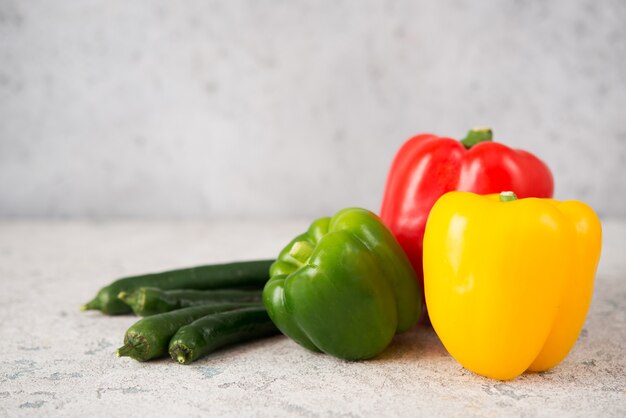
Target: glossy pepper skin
508,283
344,287
427,166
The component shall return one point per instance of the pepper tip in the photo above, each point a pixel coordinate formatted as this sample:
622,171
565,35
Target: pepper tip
90,306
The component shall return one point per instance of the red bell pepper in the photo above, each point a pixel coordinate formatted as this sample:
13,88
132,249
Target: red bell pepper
427,166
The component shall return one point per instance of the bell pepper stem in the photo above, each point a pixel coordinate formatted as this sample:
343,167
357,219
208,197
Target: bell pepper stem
507,196
301,251
477,135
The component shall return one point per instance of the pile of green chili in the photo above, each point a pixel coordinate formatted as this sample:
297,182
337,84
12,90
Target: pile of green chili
189,313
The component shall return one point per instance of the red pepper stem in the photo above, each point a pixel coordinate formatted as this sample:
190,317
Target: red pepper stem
477,135
507,196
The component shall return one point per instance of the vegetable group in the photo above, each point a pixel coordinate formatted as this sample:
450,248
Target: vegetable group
172,304
508,282
427,166
344,287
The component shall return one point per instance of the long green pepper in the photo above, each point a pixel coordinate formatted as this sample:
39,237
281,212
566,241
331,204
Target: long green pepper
211,332
147,301
253,274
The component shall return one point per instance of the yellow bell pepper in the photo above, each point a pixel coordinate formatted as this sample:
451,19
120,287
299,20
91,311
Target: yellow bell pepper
508,282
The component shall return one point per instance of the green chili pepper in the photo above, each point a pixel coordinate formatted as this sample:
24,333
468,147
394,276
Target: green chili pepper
149,337
147,301
211,332
252,274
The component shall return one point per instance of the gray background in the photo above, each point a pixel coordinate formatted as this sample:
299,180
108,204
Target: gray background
277,108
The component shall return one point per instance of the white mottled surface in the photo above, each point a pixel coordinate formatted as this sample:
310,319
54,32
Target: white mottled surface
57,361
271,108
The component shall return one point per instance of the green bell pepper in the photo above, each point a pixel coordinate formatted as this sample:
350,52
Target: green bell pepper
344,287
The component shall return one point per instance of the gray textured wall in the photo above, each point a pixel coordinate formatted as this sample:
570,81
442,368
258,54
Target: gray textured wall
281,108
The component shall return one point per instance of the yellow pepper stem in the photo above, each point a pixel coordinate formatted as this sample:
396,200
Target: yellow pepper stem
507,196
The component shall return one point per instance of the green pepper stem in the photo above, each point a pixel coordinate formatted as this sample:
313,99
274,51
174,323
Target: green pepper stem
301,251
91,305
128,298
507,196
181,353
125,350
477,135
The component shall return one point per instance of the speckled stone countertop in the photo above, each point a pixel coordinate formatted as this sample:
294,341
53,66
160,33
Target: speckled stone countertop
57,361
